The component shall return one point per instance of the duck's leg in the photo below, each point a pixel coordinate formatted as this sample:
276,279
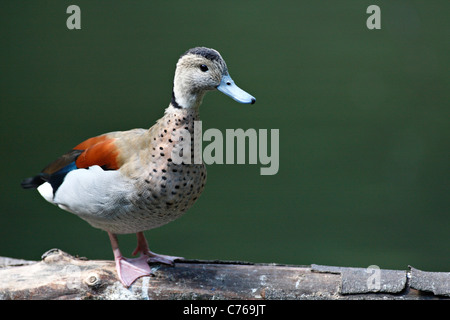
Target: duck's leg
128,269
142,247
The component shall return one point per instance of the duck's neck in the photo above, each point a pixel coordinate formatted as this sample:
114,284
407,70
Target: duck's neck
184,96
186,100
182,115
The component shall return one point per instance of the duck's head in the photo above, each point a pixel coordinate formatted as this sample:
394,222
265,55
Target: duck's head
200,70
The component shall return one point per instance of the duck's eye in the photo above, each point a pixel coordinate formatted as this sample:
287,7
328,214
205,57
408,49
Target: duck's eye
204,67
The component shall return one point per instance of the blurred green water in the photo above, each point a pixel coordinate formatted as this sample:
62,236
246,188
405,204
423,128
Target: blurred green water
363,118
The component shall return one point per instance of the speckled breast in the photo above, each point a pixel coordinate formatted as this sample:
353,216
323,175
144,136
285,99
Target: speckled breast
163,189
166,194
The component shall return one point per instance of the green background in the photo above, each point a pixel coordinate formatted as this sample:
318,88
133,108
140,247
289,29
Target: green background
363,118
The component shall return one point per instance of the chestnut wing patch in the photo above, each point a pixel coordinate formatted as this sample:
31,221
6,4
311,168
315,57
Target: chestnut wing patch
99,151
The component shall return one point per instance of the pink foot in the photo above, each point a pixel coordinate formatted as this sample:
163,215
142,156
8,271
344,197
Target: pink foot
160,258
142,247
131,269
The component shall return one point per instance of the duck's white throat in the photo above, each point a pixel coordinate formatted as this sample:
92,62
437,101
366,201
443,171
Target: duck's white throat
185,99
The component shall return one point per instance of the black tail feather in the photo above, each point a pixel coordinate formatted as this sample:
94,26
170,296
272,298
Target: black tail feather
33,182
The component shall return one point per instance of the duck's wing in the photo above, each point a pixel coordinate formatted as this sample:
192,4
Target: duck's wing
99,150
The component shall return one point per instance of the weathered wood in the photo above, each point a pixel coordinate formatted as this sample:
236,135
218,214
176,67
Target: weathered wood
62,276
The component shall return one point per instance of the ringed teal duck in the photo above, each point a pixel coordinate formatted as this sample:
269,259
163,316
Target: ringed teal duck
126,181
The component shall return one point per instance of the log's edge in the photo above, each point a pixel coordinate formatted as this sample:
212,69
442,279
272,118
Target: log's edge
13,262
60,275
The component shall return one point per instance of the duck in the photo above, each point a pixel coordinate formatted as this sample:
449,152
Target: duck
127,182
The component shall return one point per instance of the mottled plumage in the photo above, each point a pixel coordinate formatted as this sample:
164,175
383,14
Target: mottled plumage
126,181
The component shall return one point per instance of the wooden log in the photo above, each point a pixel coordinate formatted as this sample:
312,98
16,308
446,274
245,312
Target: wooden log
61,276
